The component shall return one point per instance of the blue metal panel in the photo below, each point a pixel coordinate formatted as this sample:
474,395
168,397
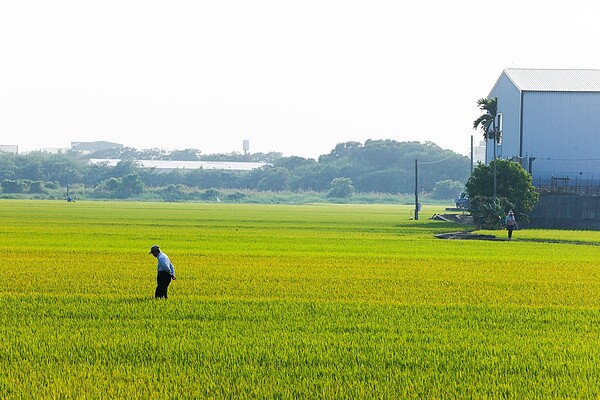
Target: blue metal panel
562,130
509,104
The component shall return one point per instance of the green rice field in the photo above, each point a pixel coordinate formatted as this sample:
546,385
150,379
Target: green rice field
290,302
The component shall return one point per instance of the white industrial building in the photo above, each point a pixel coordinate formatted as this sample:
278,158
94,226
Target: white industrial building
9,148
550,122
169,165
91,147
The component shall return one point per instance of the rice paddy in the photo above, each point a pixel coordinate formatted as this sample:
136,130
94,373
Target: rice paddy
285,301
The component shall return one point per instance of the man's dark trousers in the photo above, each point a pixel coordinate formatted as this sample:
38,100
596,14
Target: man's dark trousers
163,279
510,229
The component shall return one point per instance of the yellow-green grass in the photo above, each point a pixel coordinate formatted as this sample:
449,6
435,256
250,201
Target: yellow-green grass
283,301
550,235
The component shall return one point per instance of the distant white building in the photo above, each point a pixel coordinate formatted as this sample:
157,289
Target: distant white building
54,150
479,153
9,148
549,121
90,147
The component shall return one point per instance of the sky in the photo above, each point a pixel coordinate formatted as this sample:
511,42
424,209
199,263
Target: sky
296,77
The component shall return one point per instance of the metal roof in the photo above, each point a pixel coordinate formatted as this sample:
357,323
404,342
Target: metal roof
555,80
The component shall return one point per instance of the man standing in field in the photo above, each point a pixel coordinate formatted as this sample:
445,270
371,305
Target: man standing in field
166,272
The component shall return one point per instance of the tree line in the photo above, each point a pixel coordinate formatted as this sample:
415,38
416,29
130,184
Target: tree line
375,166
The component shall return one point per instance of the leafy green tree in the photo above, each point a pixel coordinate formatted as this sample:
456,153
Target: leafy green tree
112,184
488,212
487,123
131,185
341,188
30,166
125,167
277,179
236,196
310,177
185,155
261,157
116,153
93,174
8,165
211,195
241,157
151,154
60,167
12,186
52,185
387,166
292,163
384,181
384,166
37,187
515,190
174,192
212,178
381,154
174,177
447,189
341,150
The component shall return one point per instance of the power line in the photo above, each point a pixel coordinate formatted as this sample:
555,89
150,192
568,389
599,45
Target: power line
434,162
570,159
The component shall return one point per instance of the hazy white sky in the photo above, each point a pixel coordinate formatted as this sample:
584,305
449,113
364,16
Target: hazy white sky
291,76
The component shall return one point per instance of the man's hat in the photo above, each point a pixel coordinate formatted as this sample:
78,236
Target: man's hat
154,248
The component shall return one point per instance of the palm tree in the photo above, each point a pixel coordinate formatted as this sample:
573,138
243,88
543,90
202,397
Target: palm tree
487,123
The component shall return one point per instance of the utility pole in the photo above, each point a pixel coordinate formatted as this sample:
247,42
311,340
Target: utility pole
416,191
69,199
471,154
531,158
497,133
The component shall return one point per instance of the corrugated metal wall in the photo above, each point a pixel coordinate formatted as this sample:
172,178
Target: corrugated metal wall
509,104
566,212
562,130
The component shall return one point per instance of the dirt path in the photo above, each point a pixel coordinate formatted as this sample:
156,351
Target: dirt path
467,235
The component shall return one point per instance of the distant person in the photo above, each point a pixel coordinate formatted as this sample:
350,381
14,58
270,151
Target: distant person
511,223
166,272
